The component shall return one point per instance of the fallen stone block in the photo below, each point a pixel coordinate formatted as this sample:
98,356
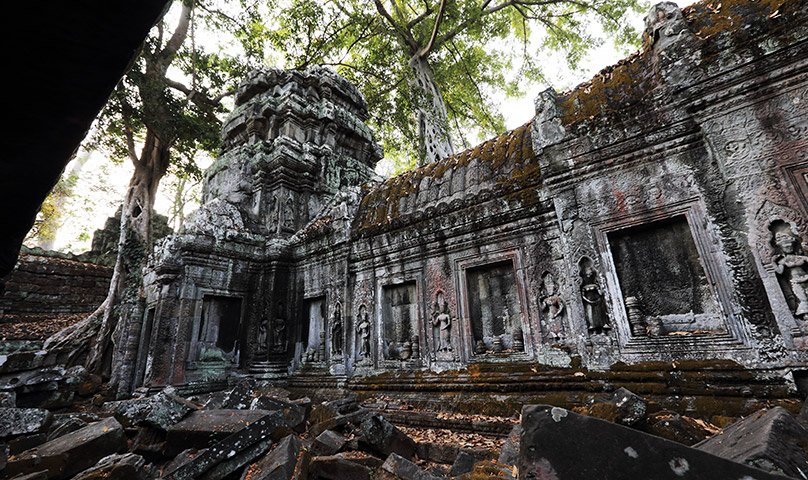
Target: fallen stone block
398,467
4,453
295,414
772,440
279,464
557,443
327,443
65,426
72,453
127,466
43,475
337,467
22,443
509,455
337,414
19,421
203,428
672,426
240,396
377,435
622,406
258,434
161,410
8,399
149,442
464,463
437,452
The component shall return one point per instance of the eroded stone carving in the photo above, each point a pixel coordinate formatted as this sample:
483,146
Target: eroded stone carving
279,330
597,320
791,266
363,331
664,24
551,303
442,319
336,331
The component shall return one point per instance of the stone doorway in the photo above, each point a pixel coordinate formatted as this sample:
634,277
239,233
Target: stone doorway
495,313
399,321
219,328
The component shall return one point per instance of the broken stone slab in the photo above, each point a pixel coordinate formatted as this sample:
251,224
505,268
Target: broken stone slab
8,399
622,406
464,463
337,467
337,414
72,453
42,475
237,461
672,426
509,455
161,410
203,428
398,467
127,466
295,414
772,440
437,452
22,443
66,426
149,442
327,443
279,464
4,453
557,443
19,421
240,396
377,435
261,432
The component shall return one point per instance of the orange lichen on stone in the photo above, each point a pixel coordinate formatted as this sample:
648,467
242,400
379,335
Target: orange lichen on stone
381,206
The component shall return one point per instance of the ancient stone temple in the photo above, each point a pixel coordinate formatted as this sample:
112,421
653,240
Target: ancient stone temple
655,213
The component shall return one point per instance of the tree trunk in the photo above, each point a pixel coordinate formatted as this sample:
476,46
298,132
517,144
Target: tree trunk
433,121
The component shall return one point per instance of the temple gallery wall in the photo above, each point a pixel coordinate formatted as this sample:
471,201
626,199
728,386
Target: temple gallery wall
656,212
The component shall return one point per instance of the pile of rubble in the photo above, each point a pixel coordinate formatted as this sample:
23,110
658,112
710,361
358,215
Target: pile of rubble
259,433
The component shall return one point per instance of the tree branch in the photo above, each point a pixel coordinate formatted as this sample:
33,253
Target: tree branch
404,36
198,97
428,48
168,53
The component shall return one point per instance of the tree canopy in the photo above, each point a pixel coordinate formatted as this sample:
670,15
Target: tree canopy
425,64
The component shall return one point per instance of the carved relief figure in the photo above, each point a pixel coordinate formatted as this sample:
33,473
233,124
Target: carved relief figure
550,302
272,217
289,213
442,319
336,331
791,266
363,330
597,319
279,330
263,335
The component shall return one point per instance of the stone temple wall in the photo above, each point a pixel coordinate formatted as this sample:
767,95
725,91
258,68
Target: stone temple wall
44,286
655,213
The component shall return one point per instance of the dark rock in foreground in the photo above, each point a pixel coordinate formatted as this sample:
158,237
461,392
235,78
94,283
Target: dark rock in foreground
771,440
559,444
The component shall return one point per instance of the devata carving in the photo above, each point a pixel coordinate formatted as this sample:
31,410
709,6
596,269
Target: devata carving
363,330
597,320
551,303
279,330
791,266
442,319
336,331
263,335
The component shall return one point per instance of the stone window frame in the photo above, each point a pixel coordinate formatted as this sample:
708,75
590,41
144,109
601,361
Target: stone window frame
196,320
392,280
797,177
737,335
461,265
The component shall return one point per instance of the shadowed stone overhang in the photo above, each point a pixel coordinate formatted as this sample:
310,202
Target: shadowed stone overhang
62,61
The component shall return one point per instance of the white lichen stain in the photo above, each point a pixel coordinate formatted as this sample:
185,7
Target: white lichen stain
631,452
679,466
558,414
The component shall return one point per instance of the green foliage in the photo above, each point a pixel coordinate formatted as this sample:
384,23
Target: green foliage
476,43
